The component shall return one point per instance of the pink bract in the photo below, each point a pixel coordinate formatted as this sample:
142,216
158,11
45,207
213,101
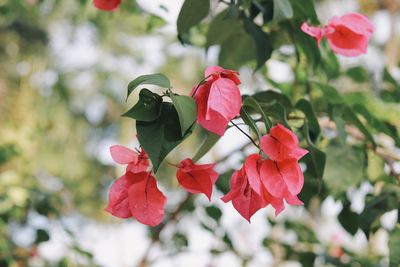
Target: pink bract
196,178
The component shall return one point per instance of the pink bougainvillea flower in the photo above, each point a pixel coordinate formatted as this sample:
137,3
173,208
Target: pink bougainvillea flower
347,35
118,203
136,195
137,162
106,5
282,144
244,199
282,178
196,178
218,99
146,202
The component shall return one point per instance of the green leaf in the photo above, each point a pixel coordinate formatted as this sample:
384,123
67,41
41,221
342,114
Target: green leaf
214,213
237,50
277,111
249,121
223,182
349,219
209,141
305,10
315,161
148,107
394,246
41,236
191,14
358,74
221,28
344,168
262,41
252,103
376,206
282,10
187,111
271,96
330,94
160,136
153,79
350,117
307,109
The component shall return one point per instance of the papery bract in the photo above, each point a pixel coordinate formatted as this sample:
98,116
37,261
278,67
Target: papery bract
244,199
146,201
282,178
218,99
196,178
137,162
347,35
118,202
281,144
107,5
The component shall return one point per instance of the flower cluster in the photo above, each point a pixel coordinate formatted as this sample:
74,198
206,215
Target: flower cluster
269,181
347,35
135,194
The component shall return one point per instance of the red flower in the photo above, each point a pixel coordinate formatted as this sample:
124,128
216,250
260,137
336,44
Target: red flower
281,144
196,178
347,35
244,199
106,5
263,182
218,99
137,162
136,195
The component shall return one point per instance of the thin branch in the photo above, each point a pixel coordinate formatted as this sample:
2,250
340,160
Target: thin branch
248,136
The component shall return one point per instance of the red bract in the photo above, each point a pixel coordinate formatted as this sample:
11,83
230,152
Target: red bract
244,199
281,144
282,178
347,35
106,5
196,178
136,195
137,162
218,99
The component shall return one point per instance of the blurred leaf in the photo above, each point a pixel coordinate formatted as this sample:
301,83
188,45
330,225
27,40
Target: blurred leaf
305,10
303,231
222,27
344,168
210,140
41,236
187,111
191,14
394,246
315,161
160,136
307,109
223,182
214,213
376,206
180,240
148,107
358,74
237,50
349,219
282,10
262,41
7,151
153,79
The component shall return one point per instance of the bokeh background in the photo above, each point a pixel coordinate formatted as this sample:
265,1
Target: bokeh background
64,69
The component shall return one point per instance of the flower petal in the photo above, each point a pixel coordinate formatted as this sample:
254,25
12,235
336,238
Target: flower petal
146,202
123,155
251,167
106,5
272,178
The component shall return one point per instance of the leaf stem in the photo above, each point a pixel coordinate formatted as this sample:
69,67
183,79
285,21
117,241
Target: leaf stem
243,132
198,85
